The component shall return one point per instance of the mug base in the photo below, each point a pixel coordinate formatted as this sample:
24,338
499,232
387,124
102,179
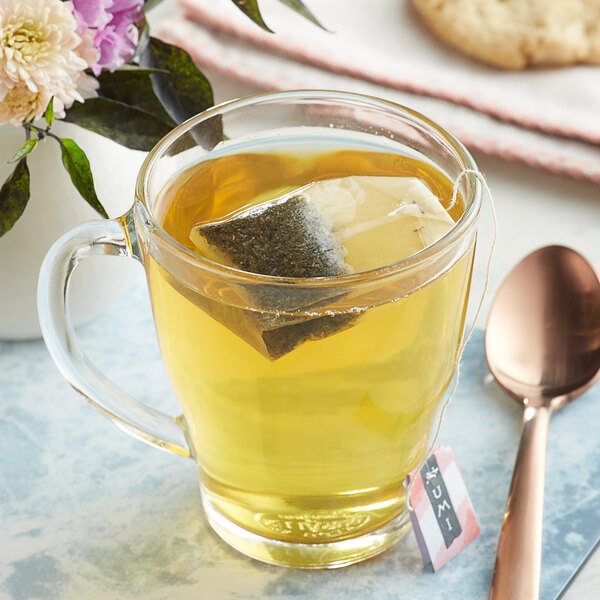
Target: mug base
330,555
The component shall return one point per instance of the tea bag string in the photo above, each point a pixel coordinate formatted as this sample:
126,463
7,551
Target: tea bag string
467,337
488,266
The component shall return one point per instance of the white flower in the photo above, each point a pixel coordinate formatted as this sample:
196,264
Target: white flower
20,102
41,52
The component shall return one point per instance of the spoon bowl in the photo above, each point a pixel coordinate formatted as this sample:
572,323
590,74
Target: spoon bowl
543,333
542,345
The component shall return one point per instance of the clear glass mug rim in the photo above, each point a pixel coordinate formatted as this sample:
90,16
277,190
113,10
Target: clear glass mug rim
466,221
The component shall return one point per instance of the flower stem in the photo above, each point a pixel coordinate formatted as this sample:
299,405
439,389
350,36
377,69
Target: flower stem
41,133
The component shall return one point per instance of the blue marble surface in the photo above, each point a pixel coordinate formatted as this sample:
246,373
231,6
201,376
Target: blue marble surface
88,512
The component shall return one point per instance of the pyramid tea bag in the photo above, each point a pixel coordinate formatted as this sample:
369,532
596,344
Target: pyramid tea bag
288,237
328,228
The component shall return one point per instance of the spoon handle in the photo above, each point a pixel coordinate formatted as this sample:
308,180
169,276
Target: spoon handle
519,556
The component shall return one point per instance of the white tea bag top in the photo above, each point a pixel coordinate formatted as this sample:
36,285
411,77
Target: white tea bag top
380,220
335,226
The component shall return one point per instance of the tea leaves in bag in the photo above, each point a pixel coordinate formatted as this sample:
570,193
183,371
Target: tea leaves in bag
326,229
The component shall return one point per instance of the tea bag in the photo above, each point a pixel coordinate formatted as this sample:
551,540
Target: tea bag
328,228
385,219
288,237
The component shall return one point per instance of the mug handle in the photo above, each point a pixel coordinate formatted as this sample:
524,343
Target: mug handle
94,238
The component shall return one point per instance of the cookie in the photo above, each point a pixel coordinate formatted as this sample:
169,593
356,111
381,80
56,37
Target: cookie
516,34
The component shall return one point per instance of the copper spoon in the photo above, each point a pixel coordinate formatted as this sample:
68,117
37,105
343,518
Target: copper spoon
542,345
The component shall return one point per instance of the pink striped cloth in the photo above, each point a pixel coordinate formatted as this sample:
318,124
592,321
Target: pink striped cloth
545,118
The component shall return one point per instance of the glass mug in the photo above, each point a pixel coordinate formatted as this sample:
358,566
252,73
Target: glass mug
302,454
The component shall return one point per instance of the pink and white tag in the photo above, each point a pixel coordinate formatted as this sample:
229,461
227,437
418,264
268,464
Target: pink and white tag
442,517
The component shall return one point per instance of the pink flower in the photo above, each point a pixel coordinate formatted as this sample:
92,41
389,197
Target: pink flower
94,13
115,36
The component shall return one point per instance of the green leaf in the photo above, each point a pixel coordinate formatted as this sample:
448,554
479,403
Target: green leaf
184,91
50,112
150,4
301,9
78,167
14,196
126,125
133,68
134,88
250,9
143,39
27,148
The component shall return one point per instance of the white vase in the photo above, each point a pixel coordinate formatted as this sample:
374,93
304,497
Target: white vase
54,207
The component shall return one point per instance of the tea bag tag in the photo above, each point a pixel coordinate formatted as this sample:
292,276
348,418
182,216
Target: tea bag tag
442,515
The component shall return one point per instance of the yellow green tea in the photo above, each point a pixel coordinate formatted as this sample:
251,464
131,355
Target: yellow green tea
309,443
